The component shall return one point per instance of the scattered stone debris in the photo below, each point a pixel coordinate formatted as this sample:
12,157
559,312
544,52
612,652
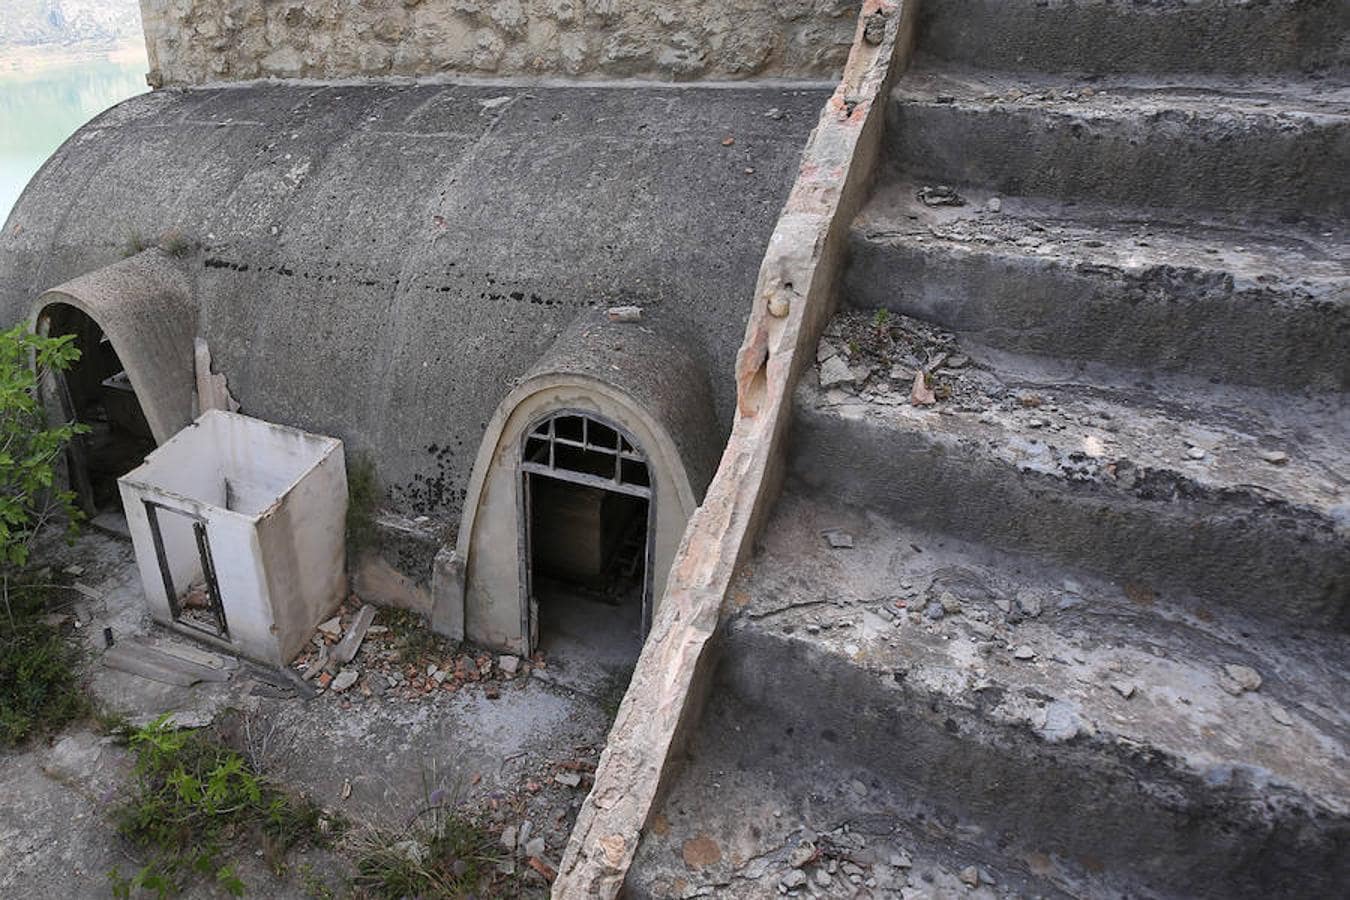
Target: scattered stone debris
625,314
1237,679
939,195
1125,689
568,779
920,394
345,679
389,669
839,540
1275,457
1024,653
1028,603
894,360
834,372
346,649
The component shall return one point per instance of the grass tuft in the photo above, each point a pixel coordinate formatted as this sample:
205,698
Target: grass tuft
133,243
40,689
442,854
175,243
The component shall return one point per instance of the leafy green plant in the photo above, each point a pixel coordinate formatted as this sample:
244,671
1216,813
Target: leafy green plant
192,796
39,689
29,446
881,322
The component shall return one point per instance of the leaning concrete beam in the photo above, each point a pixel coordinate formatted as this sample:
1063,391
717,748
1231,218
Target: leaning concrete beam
795,295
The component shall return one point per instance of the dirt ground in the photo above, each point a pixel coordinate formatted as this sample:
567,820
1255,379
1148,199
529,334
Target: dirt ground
506,750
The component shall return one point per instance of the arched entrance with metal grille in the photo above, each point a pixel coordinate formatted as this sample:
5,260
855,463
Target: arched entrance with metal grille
587,532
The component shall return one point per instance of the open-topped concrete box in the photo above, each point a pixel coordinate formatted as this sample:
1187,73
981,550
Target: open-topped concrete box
238,526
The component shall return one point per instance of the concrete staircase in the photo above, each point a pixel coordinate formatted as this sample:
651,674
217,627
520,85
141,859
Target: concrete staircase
1079,627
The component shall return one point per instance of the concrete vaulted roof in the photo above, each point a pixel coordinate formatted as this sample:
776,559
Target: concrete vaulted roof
383,262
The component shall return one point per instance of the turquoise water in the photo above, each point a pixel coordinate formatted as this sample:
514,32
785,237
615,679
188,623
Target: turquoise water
40,109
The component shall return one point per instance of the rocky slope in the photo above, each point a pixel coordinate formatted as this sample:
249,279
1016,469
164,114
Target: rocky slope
33,23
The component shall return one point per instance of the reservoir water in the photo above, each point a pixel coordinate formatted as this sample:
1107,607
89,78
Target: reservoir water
41,107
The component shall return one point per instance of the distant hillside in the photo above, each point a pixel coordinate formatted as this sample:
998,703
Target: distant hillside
36,23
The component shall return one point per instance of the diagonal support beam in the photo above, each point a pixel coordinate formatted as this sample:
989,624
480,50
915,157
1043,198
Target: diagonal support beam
795,295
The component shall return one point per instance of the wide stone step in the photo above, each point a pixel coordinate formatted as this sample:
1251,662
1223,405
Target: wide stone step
1261,305
1231,36
1271,148
1237,498
1111,745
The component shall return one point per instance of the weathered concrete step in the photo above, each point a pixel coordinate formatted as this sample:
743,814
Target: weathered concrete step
1236,497
753,808
1234,36
1052,715
1261,305
1271,148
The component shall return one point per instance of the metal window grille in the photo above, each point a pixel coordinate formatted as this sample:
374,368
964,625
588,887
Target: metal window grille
578,448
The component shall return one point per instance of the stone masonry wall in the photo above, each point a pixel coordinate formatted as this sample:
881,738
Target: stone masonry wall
203,41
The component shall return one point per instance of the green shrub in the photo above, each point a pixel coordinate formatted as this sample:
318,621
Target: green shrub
29,447
39,690
192,797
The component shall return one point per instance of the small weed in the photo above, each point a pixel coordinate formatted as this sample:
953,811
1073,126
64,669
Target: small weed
111,722
315,887
612,690
881,322
450,856
191,797
363,499
175,243
413,637
40,690
133,243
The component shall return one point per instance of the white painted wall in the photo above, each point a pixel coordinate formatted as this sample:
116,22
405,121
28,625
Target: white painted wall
274,500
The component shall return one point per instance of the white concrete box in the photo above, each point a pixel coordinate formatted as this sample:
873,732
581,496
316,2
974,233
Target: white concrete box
239,529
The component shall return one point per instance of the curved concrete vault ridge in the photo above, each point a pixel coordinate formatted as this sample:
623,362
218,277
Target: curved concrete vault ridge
145,308
795,295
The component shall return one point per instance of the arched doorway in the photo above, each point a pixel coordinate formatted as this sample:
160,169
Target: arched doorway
613,407
134,322
97,392
587,529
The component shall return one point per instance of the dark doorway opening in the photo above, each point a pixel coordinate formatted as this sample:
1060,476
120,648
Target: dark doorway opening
183,551
97,392
588,536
